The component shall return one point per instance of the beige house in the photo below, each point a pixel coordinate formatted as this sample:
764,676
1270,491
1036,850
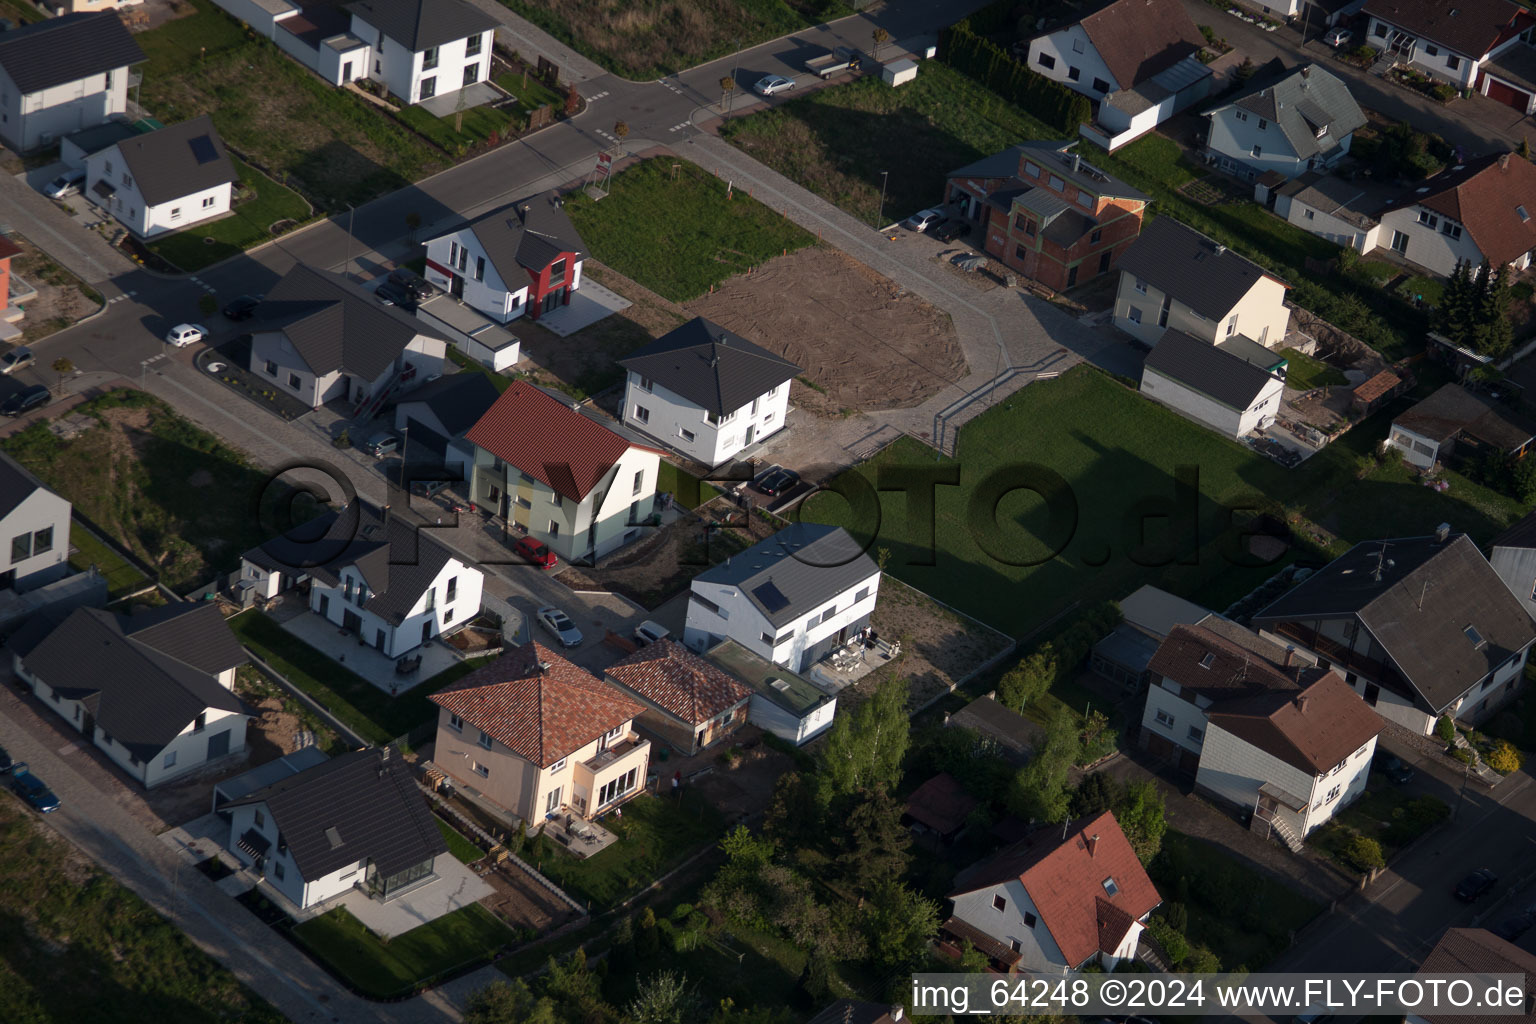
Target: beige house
689,702
564,479
532,736
1175,278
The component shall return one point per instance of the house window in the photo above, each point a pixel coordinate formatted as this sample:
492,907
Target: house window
1263,124
200,722
107,168
277,869
1453,62
479,268
686,435
1029,919
293,381
109,79
471,73
170,760
481,770
485,740
1196,734
1019,220
1029,228
175,213
455,722
1231,327
1020,253
644,383
1427,218
1432,51
1141,286
1099,85
1110,886
861,595
452,590
552,804
617,788
642,414
554,528
1057,183
1241,116
557,271
21,548
1452,231
1031,168
1045,60
127,179
1134,315
639,481
271,368
260,820
1164,719
428,59
1096,237
1333,794
447,616
1077,46
428,88
1084,200
1073,74
473,44
999,903
1307,214
557,765
1258,150
42,540
1399,243
709,606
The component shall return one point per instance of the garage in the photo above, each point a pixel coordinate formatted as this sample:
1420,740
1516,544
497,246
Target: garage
1509,80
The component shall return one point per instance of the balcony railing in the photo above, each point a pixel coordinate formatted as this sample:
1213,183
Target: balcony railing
616,752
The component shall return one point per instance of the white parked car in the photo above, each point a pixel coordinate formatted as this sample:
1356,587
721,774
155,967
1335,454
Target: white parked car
922,220
560,625
186,334
1339,38
649,632
66,184
772,85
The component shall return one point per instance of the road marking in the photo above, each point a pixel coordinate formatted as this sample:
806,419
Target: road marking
67,749
597,96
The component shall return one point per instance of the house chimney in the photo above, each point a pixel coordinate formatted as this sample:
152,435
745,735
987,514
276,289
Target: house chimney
1306,71
898,1013
384,515
1077,161
1443,532
1503,161
1290,653
1091,842
1301,703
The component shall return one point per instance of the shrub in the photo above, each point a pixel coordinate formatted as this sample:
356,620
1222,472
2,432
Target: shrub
1362,853
1446,729
1463,754
1173,942
1504,758
1414,818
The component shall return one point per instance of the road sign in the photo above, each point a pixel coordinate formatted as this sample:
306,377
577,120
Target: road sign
604,161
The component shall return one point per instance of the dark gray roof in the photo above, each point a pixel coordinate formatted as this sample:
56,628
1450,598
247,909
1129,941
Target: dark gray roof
336,324
1521,535
178,160
529,234
457,400
370,801
17,484
795,571
1179,261
55,51
715,369
1356,202
1200,366
1059,159
1452,409
193,634
422,24
1418,607
1515,63
398,560
265,775
141,694
94,140
1299,102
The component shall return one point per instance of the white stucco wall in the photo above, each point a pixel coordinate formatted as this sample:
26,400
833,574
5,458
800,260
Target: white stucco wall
1438,63
40,118
741,621
1516,566
1069,47
1416,449
1219,417
1037,946
1261,314
37,514
1234,769
500,300
1429,247
797,729
427,354
668,415
1184,714
404,72
1325,225
1234,134
444,615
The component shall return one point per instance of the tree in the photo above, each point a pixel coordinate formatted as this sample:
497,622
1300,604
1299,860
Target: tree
1097,792
620,132
794,816
1140,813
1495,335
727,89
413,223
1029,680
864,749
871,843
879,36
665,998
572,97
899,924
1455,317
1504,758
1525,148
504,1002
1445,728
972,960
1363,853
576,992
1039,791
65,369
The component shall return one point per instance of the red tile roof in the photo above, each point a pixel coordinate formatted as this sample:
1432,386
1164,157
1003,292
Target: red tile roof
1377,386
1312,729
1141,38
539,705
674,678
1066,880
1478,951
1472,27
547,439
1483,197
941,803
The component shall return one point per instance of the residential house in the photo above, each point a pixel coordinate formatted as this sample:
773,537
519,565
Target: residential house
689,702
1513,557
792,708
525,257
939,809
1472,951
852,1011
1147,615
1474,212
1285,120
1175,277
80,6
1283,739
1419,626
1138,57
323,338
532,735
417,49
791,599
1008,733
392,584
1460,43
479,337
35,523
1062,898
76,147
1234,387
436,416
60,75
1041,210
262,776
706,391
1457,424
13,292
1346,212
165,180
354,821
567,480
153,691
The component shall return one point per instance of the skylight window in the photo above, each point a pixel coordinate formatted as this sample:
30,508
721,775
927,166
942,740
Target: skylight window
1110,886
1522,212
334,836
1474,636
1208,660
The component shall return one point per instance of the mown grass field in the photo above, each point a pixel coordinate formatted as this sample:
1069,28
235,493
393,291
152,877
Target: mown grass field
250,223
382,968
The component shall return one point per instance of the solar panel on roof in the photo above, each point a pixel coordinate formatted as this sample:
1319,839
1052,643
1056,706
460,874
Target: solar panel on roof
202,149
771,597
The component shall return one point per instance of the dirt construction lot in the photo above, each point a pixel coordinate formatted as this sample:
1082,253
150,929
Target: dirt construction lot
864,341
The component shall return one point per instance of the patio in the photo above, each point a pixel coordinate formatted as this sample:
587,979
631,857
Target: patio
589,304
478,95
851,662
580,837
344,647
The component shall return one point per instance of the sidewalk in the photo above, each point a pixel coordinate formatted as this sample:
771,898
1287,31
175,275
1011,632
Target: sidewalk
83,253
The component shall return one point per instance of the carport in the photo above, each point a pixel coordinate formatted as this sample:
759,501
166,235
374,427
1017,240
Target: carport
1510,78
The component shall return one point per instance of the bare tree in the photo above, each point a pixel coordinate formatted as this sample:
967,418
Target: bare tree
727,90
880,36
65,369
620,131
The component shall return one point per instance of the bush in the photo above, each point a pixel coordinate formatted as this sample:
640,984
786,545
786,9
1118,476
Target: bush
1446,730
1173,942
1504,758
1362,853
1414,818
978,57
1463,754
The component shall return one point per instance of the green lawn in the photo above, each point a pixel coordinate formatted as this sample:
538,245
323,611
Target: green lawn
76,946
458,844
837,142
122,578
1116,454
339,147
501,381
250,223
381,968
680,235
655,833
531,96
1305,373
1243,916
480,123
19,11
688,490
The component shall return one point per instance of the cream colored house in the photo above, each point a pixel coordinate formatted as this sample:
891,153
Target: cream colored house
532,736
560,477
1173,277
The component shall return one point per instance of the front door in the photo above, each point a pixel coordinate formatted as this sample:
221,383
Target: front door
353,621
751,433
218,745
378,640
552,300
1104,263
325,606
1071,276
426,631
456,287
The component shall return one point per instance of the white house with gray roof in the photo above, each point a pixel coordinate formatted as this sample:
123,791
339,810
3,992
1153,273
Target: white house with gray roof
165,180
522,258
34,530
323,338
1346,212
791,599
153,691
706,392
1173,277
394,585
60,75
1287,121
1232,387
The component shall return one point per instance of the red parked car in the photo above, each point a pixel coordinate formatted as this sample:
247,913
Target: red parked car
536,552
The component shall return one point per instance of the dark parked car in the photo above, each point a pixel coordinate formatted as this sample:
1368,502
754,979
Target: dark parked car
242,308
31,789
1476,885
953,229
420,288
1394,769
392,293
24,400
1511,928
776,480
536,552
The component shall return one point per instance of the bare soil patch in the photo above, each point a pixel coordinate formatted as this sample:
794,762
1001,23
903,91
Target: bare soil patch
740,785
522,902
61,297
653,569
864,342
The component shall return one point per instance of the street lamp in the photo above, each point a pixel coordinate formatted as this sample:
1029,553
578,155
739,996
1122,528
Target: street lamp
880,217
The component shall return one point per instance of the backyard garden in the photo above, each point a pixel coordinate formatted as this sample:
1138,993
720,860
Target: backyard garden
262,209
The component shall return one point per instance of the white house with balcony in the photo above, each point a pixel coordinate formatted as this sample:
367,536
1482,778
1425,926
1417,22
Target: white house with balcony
1459,42
706,392
791,599
165,180
1482,210
61,75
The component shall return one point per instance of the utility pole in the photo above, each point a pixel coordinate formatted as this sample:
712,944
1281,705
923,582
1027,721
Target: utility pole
880,217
